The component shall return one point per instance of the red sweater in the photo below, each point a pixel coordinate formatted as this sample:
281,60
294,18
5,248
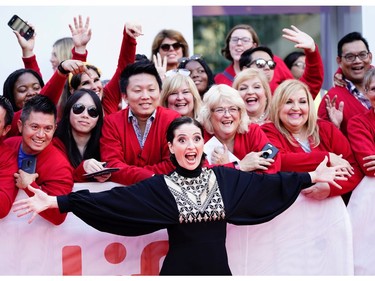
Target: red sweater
120,147
112,92
361,135
295,159
8,189
254,140
352,106
55,176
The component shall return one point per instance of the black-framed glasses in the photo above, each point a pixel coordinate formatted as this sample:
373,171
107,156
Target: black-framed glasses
166,47
352,57
261,63
187,59
78,108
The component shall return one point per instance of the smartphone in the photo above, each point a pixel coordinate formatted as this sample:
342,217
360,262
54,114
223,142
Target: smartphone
28,165
25,30
269,151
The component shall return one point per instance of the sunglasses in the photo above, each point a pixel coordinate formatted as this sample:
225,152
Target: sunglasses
78,108
261,63
166,47
182,71
186,59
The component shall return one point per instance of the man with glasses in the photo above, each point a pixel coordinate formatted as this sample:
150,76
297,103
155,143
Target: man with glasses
354,59
262,57
40,163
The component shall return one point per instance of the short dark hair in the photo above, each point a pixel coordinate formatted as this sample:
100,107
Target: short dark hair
246,57
9,113
139,67
292,57
8,87
38,103
351,37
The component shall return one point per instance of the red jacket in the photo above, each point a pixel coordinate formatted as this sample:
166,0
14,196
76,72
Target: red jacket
352,106
361,135
55,176
8,189
295,159
254,140
120,147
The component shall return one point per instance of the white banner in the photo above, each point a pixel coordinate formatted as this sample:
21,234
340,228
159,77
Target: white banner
311,238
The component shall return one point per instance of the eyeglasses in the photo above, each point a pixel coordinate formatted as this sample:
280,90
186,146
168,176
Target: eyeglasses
352,57
300,64
222,110
166,47
182,71
186,59
261,63
78,108
245,40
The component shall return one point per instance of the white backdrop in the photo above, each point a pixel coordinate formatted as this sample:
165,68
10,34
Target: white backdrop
107,22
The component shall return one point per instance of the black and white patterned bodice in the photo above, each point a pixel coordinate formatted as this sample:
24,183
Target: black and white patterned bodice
198,198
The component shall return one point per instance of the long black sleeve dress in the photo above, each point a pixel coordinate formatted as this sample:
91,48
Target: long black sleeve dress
194,207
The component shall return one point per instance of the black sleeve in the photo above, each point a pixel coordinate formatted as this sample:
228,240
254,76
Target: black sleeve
253,198
125,210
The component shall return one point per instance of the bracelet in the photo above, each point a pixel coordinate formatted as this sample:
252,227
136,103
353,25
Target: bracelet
236,165
62,70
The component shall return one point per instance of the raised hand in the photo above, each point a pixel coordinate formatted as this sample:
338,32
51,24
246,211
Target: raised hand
335,115
133,29
27,46
81,34
160,64
303,40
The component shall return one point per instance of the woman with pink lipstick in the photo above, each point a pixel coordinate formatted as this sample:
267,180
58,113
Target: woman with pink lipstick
78,134
304,140
193,203
180,94
253,86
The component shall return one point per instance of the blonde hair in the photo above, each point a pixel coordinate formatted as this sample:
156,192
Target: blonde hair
173,83
213,98
280,97
63,48
251,73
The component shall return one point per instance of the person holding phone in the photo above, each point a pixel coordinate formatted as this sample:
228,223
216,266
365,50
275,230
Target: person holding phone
304,140
8,166
223,115
78,134
196,224
37,126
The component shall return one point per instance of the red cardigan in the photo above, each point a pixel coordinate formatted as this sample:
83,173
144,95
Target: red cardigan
55,176
8,189
120,147
295,159
361,135
254,140
352,106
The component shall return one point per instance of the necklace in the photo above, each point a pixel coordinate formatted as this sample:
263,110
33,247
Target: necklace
260,119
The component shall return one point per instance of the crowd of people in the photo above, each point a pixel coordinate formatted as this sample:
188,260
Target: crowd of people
191,147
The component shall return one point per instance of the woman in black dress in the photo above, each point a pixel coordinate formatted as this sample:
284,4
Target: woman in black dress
193,203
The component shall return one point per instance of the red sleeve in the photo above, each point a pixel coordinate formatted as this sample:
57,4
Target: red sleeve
361,135
112,92
31,63
78,56
281,73
8,189
54,87
314,72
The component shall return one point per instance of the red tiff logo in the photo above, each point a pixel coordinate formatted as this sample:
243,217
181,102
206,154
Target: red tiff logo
116,253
